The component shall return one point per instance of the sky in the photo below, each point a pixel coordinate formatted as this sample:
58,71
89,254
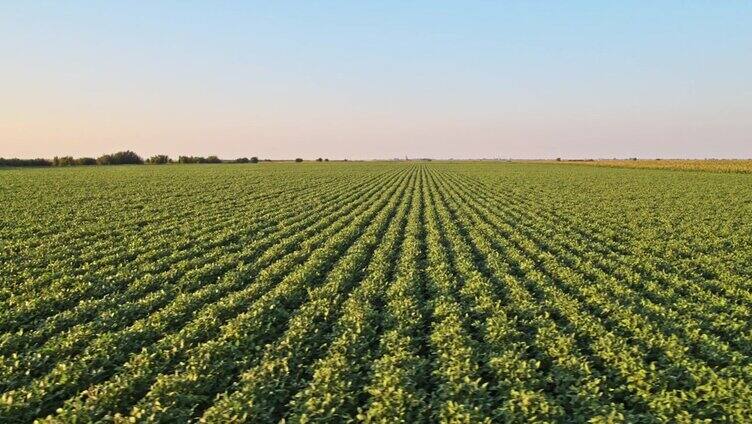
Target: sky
380,79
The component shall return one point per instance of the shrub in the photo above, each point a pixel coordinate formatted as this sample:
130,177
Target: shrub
120,158
319,160
159,160
201,159
86,161
63,161
191,159
104,160
298,160
25,162
246,160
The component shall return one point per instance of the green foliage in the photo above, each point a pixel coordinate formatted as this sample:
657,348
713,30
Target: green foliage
86,161
191,159
374,292
198,159
120,158
63,161
159,160
25,162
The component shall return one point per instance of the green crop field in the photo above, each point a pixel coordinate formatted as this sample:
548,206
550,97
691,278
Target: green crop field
375,292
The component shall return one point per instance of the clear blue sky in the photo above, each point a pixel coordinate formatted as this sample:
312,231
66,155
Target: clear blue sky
377,79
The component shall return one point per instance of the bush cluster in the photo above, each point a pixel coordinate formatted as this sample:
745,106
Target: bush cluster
25,162
159,160
254,159
198,159
71,161
120,158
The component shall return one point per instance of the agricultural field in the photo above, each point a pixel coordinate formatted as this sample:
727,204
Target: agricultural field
375,292
713,165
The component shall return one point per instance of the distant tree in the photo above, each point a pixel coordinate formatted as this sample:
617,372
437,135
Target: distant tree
298,160
25,162
120,158
63,161
104,160
86,161
242,160
127,158
192,159
159,160
326,160
254,159
319,160
558,159
213,159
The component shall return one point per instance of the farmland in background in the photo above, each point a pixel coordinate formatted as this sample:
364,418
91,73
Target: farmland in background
711,165
376,292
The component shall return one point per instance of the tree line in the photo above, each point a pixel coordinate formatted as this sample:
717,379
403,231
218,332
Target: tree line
126,157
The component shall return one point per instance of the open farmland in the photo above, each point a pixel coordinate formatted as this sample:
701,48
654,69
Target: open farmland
714,165
378,292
